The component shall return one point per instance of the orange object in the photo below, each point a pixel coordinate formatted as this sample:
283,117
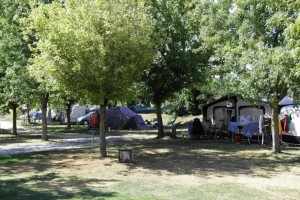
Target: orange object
94,121
279,128
237,138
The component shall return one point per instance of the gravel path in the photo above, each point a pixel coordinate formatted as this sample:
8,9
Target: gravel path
7,125
85,141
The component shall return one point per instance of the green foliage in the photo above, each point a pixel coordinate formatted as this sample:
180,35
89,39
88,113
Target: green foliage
190,101
16,86
181,59
255,52
259,55
96,48
136,95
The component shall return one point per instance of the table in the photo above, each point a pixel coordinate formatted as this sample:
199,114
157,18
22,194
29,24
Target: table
247,130
233,127
250,129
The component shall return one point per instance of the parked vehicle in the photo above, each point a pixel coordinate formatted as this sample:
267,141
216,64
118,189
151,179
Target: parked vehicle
86,119
77,111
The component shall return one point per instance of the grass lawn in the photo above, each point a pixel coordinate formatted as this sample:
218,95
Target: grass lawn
63,128
7,139
162,169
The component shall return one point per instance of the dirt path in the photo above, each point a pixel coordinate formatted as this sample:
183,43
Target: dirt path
78,141
7,125
69,144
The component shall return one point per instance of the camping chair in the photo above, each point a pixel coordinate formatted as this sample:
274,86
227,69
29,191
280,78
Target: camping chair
217,129
283,144
172,122
207,130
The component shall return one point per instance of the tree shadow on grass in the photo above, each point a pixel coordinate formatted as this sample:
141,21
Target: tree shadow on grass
48,186
21,138
209,157
38,162
175,156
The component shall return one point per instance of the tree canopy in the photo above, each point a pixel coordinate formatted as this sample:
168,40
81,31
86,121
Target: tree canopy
257,52
97,48
16,86
14,52
181,59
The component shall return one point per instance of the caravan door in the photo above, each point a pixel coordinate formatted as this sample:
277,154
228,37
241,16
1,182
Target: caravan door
223,114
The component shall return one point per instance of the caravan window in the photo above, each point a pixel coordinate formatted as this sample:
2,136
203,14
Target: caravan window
253,112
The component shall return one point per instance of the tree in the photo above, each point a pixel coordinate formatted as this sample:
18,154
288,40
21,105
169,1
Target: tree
63,97
256,52
181,59
68,102
97,48
190,101
15,82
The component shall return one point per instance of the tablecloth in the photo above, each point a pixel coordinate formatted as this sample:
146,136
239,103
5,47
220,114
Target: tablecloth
233,127
250,129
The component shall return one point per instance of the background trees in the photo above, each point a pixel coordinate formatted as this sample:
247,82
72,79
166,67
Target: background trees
16,86
190,101
96,48
180,61
256,57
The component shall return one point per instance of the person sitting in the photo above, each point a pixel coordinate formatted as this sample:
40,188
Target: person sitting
197,131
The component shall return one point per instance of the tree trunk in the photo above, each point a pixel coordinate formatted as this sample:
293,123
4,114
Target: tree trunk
28,111
69,116
44,103
275,130
102,130
160,133
14,108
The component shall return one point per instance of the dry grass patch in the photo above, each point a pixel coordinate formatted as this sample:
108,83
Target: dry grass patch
7,139
162,169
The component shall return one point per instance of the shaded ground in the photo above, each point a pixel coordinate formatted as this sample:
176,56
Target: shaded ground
29,138
162,169
85,141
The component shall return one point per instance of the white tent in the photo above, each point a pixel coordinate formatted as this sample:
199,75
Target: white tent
294,111
286,101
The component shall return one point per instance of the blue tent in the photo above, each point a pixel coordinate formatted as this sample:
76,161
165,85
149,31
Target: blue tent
146,110
164,109
142,109
37,115
123,118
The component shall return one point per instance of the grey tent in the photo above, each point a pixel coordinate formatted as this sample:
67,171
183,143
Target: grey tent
123,118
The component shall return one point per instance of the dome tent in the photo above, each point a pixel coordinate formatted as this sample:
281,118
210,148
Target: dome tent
123,118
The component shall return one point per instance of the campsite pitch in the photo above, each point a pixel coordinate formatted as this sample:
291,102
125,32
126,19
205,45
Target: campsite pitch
162,169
